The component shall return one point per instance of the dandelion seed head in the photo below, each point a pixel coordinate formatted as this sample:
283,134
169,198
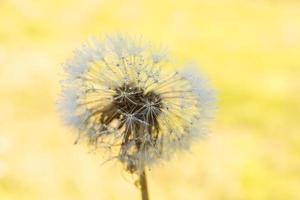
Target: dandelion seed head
121,95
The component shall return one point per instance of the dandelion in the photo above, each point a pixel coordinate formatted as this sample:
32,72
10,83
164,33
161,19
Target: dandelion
124,96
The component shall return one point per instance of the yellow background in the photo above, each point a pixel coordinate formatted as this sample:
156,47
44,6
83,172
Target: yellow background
250,51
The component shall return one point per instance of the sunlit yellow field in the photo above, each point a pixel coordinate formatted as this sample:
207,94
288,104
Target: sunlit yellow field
250,51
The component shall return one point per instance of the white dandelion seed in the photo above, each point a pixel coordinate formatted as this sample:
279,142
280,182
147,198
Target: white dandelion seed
121,95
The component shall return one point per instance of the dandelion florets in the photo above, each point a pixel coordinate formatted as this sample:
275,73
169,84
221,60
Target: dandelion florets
124,96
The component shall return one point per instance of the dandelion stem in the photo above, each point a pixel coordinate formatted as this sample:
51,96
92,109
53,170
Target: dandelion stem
143,186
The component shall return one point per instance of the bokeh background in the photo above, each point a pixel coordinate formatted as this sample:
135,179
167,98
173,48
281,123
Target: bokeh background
250,51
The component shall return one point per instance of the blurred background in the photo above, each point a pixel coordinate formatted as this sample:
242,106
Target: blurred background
250,51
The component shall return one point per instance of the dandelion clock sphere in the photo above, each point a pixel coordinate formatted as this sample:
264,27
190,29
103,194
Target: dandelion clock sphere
123,96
